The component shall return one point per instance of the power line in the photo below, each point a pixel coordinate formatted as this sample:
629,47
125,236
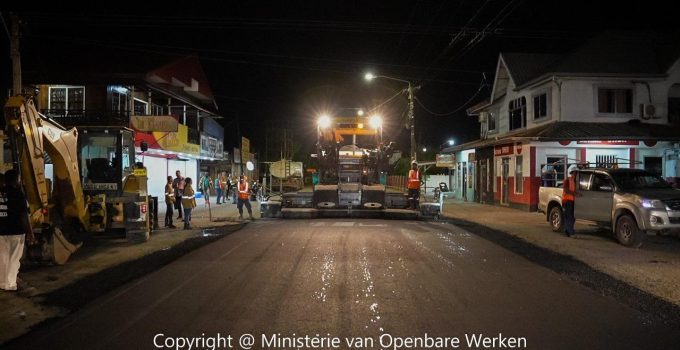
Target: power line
4,24
481,87
453,40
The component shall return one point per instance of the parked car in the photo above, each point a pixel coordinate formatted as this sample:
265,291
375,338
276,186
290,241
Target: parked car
631,202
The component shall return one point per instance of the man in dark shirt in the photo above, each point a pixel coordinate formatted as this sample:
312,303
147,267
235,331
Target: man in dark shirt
15,229
178,186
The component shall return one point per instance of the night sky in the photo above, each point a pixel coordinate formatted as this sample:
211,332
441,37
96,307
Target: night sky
276,65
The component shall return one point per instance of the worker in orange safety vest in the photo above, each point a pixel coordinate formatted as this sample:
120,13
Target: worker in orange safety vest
413,185
568,197
243,198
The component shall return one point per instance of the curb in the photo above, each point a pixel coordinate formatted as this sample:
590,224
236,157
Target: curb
651,306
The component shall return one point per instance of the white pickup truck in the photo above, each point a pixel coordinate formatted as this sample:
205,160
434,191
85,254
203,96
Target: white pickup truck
630,202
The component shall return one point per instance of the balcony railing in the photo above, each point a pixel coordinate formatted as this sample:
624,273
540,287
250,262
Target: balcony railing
71,118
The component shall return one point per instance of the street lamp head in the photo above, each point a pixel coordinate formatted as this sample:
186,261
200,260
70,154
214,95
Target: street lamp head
451,142
424,149
324,121
369,76
375,121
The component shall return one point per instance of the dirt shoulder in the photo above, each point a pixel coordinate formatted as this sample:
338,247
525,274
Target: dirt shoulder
653,268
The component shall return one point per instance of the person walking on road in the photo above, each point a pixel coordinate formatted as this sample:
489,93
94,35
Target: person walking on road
244,198
230,186
188,201
170,203
15,230
568,199
204,184
223,186
178,186
413,185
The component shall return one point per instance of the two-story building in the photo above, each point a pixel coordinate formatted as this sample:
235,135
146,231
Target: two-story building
171,108
614,100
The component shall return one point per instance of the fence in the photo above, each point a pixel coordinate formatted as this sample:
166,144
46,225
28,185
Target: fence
429,184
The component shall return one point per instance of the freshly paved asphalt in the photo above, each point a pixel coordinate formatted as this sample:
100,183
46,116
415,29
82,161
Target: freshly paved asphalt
353,278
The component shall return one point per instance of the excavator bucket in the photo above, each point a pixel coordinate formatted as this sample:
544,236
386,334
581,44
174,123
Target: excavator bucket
56,249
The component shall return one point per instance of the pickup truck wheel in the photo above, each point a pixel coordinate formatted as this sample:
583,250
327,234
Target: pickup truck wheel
627,231
555,218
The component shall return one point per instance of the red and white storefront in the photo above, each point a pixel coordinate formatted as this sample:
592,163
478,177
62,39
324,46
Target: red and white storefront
500,163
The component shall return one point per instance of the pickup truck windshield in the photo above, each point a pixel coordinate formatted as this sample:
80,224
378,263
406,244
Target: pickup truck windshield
638,180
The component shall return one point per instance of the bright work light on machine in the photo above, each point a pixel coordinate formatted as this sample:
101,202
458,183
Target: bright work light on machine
324,122
375,121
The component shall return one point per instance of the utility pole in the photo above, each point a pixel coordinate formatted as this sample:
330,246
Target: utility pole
15,55
412,121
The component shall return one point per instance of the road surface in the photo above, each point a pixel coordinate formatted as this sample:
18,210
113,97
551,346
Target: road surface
386,282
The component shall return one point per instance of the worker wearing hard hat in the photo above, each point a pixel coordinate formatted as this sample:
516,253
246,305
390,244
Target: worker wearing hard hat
568,198
413,185
244,197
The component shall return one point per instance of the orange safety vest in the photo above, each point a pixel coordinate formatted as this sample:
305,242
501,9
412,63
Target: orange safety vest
243,192
413,179
569,190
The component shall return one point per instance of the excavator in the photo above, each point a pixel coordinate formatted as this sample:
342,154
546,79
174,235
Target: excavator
96,187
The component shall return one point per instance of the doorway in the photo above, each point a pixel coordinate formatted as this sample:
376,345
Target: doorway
464,191
505,175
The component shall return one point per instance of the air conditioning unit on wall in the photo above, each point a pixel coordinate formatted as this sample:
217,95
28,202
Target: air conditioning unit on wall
647,111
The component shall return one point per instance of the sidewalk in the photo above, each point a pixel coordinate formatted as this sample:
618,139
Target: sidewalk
654,268
107,260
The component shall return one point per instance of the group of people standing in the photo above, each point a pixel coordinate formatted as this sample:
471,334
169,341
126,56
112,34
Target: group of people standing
180,195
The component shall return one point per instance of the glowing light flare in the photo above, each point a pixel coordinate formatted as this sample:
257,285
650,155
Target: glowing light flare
375,121
324,121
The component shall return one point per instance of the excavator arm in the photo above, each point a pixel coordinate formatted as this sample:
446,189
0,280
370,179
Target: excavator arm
59,222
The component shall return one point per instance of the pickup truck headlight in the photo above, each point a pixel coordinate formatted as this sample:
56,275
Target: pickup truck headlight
652,204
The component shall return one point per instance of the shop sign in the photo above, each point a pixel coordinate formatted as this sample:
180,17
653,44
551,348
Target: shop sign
170,141
210,147
609,142
471,157
245,145
446,160
503,150
151,123
237,156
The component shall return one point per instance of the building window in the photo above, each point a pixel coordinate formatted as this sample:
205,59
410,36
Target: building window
540,106
140,107
67,98
518,113
118,102
519,177
491,121
615,101
554,171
